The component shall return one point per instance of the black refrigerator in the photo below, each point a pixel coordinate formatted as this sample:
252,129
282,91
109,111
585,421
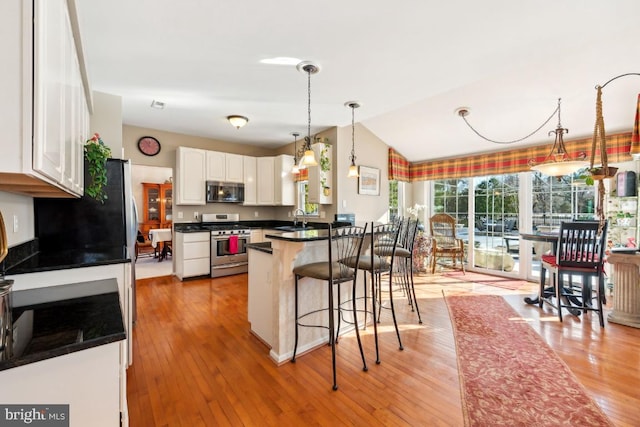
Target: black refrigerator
88,230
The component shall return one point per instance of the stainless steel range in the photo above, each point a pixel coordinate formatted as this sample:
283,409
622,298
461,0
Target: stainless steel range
228,244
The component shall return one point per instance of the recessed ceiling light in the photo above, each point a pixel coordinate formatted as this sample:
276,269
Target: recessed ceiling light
157,104
280,60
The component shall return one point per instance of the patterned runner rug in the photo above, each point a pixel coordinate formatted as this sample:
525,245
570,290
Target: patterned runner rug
508,375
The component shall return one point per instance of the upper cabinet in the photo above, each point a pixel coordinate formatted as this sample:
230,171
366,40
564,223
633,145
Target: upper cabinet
44,113
284,188
249,171
320,176
190,176
224,167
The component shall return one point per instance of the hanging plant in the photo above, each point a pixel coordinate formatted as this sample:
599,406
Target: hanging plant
96,153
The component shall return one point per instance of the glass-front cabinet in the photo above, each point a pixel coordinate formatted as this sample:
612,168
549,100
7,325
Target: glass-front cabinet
157,206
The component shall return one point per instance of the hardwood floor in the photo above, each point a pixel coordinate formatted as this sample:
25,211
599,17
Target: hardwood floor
196,362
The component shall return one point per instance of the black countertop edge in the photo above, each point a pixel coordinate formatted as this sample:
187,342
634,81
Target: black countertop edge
300,236
58,320
261,246
194,227
62,260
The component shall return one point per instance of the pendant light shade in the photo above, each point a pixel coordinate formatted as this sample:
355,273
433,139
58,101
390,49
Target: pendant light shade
309,157
353,169
558,162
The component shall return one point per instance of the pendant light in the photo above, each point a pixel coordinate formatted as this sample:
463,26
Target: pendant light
309,158
295,169
353,169
558,162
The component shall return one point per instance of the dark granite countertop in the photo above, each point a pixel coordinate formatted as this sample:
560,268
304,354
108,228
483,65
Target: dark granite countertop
194,227
261,246
61,260
58,320
300,236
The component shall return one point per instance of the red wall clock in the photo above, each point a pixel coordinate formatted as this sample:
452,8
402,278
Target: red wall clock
149,146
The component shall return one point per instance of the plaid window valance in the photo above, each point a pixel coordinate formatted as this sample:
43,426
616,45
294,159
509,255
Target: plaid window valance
504,162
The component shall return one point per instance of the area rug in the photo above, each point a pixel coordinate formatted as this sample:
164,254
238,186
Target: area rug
508,375
486,279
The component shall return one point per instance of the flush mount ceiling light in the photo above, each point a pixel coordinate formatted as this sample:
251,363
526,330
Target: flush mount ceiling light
157,105
309,158
295,169
558,162
237,121
353,169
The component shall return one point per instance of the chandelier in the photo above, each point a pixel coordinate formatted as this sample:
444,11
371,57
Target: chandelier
353,169
558,162
309,158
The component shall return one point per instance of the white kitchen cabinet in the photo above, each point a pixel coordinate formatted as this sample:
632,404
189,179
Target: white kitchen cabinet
190,185
260,299
283,184
266,181
249,171
46,102
192,254
224,167
320,176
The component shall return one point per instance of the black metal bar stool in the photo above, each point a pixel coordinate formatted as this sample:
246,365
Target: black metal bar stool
343,244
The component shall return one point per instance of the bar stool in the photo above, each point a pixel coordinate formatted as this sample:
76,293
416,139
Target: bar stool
404,252
344,243
379,259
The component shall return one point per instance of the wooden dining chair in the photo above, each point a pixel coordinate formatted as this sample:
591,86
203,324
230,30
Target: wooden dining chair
580,252
444,242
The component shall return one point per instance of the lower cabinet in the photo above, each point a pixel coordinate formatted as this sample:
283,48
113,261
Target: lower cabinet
192,254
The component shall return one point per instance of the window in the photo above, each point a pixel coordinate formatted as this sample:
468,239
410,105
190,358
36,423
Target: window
303,194
451,196
393,200
565,198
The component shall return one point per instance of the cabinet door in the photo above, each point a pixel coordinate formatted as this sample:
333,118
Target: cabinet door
234,167
266,180
216,166
284,186
166,209
249,171
152,203
190,171
50,77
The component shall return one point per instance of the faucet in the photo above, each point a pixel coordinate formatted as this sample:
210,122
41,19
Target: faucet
295,218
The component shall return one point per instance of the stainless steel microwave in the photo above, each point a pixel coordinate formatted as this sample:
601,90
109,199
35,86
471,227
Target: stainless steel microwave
225,192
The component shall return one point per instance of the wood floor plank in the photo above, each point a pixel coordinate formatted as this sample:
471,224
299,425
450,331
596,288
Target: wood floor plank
197,363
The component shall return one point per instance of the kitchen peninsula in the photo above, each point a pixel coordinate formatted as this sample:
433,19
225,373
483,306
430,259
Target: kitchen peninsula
271,306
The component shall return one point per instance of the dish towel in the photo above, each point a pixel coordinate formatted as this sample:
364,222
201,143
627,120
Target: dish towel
233,244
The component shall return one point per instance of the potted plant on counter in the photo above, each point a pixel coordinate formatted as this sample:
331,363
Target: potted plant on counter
96,154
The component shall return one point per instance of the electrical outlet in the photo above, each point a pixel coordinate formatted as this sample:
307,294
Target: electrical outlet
289,214
255,214
180,215
344,203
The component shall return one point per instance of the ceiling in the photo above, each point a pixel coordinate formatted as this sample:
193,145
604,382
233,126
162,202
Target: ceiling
410,63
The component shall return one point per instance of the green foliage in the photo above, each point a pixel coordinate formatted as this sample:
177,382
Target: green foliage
96,153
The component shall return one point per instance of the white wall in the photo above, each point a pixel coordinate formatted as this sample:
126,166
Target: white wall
372,152
107,121
22,208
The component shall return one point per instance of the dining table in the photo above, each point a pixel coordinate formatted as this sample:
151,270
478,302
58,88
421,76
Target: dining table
551,238
161,236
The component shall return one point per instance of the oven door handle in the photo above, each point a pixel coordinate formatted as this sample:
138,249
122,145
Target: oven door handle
232,265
